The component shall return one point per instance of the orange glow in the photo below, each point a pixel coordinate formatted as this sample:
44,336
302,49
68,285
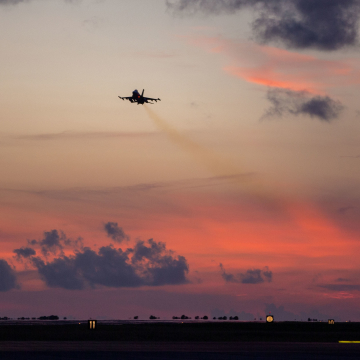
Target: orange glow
273,67
270,79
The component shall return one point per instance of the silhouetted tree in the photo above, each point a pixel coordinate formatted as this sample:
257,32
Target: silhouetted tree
152,317
51,317
205,317
136,317
197,317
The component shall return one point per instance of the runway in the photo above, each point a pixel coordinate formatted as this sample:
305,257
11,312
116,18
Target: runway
43,350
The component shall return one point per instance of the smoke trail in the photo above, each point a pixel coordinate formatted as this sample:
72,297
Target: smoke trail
206,157
306,216
218,166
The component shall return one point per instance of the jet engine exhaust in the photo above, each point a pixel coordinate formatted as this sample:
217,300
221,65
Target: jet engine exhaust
206,157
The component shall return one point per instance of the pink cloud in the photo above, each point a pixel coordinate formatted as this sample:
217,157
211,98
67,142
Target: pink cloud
273,67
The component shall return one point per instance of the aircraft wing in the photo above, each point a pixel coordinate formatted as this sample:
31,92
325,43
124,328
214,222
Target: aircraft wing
125,98
151,99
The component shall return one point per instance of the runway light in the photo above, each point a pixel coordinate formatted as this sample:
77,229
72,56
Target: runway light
349,342
331,321
269,318
92,324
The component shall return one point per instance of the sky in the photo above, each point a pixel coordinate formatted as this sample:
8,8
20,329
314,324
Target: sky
236,194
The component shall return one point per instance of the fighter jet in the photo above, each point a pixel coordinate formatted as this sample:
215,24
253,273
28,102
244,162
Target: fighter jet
139,99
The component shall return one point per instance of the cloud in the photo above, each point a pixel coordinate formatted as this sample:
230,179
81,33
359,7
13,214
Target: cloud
115,232
285,101
321,24
24,252
167,270
7,276
345,209
279,68
14,2
341,287
148,263
11,2
54,242
252,276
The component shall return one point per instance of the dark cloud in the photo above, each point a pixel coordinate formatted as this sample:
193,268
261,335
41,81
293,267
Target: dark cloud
115,232
11,2
7,276
24,252
285,101
54,242
60,272
267,274
321,24
340,287
318,24
14,2
148,263
209,6
252,276
227,277
345,209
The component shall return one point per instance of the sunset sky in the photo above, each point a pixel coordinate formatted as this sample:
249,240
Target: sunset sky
237,194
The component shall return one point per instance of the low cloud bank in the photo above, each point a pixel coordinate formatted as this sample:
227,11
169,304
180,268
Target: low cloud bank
148,263
251,276
7,276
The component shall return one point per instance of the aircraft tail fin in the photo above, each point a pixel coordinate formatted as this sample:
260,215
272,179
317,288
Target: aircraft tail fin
142,94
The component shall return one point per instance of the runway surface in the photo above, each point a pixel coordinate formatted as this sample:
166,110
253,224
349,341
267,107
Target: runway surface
98,350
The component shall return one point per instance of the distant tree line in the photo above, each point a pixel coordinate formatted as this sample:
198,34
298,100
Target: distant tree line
51,317
225,318
184,317
152,317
